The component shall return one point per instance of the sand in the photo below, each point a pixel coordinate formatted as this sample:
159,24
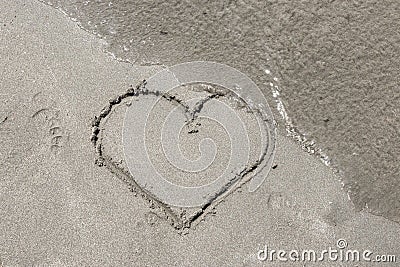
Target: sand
60,208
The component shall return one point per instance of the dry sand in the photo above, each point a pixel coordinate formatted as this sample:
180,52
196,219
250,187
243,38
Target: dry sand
59,208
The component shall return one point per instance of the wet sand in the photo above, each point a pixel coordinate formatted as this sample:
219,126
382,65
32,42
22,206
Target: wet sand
59,208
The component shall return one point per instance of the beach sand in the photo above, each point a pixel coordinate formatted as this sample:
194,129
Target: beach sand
60,208
331,67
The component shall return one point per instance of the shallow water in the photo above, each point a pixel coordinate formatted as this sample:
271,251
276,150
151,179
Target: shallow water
333,67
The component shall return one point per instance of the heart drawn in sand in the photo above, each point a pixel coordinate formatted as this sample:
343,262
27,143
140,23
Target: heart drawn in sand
192,134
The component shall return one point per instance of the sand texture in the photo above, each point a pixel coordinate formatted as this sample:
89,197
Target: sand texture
60,206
